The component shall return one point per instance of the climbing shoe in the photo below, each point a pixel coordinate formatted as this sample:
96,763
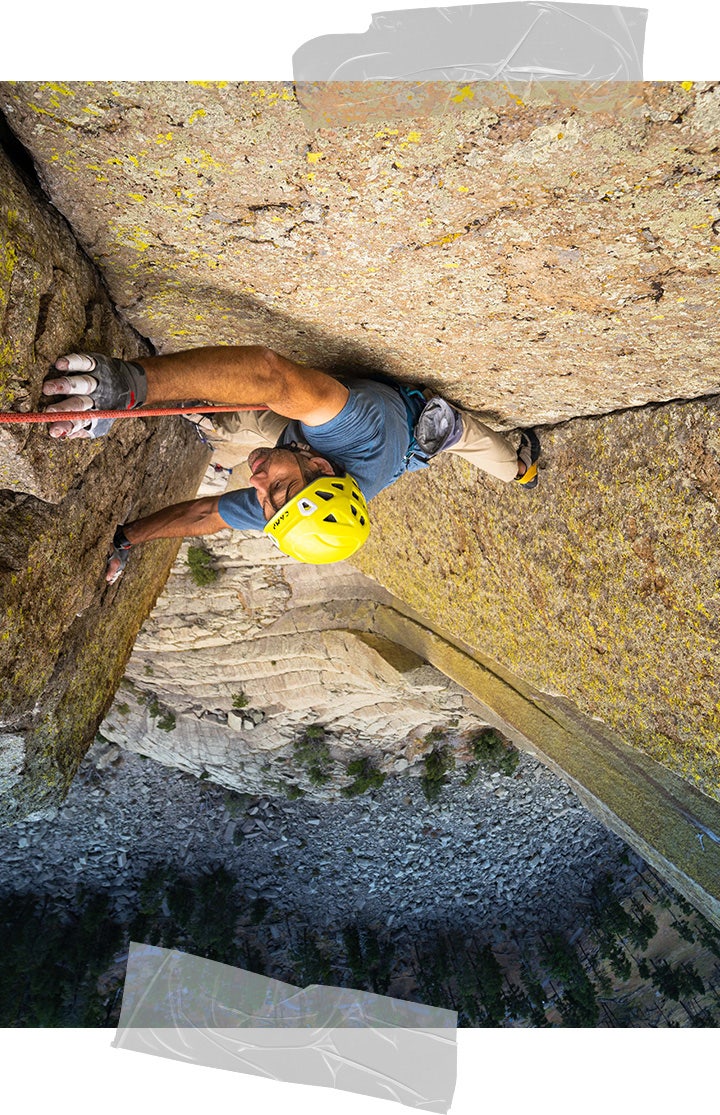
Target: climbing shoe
528,453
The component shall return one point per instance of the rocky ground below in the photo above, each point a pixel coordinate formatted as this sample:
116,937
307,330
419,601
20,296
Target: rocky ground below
502,854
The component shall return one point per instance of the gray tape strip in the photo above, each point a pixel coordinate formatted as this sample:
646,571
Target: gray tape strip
484,42
187,1008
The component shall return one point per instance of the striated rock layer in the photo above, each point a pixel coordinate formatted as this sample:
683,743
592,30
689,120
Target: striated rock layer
224,680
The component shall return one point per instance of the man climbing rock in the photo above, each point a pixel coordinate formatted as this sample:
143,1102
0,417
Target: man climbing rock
322,449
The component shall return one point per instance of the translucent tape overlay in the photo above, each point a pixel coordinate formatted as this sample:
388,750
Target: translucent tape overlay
484,42
433,51
190,1009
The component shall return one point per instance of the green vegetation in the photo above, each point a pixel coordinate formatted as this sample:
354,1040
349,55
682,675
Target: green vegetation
492,753
612,924
678,982
52,956
577,1003
311,960
202,571
239,700
289,789
123,708
165,717
366,777
61,959
436,766
369,958
237,803
313,754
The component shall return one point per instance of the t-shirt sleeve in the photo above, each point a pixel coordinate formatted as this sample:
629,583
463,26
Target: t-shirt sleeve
360,423
240,509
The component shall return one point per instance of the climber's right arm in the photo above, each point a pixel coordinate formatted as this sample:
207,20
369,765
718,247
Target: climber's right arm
190,519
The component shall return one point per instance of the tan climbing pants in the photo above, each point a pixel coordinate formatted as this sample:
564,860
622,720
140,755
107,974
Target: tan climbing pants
235,434
484,448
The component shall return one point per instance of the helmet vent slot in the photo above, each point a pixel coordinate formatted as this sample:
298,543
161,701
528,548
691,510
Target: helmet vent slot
329,519
324,495
338,486
354,510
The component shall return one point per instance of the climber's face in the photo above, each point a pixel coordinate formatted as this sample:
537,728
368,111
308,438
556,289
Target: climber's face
277,475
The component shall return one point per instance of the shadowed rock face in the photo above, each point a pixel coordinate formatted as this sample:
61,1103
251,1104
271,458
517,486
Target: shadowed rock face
65,639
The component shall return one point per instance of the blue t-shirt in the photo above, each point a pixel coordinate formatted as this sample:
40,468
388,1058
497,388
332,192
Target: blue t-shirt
369,438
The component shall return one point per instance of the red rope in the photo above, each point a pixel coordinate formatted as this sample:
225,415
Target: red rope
11,416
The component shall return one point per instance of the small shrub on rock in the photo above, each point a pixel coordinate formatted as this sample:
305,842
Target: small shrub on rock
367,777
492,753
435,771
202,571
312,752
165,718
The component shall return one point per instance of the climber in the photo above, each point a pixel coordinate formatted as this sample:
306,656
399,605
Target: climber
323,447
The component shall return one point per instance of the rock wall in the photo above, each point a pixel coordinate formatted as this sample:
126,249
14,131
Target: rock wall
601,586
537,257
65,636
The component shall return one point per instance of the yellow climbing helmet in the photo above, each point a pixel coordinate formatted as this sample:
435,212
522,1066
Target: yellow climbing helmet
327,521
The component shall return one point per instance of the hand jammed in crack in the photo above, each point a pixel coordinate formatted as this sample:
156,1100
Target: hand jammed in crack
78,387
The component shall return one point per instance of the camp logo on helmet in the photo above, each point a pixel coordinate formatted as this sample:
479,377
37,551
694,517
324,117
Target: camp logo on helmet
278,519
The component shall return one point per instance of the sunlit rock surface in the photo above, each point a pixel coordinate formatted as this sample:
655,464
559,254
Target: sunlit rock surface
537,256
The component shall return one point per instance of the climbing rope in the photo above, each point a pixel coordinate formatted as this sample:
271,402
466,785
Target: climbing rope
12,416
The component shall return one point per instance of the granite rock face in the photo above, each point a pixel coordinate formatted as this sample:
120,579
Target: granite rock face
543,258
536,257
65,636
600,586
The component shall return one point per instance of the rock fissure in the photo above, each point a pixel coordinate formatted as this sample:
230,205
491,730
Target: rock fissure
574,245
